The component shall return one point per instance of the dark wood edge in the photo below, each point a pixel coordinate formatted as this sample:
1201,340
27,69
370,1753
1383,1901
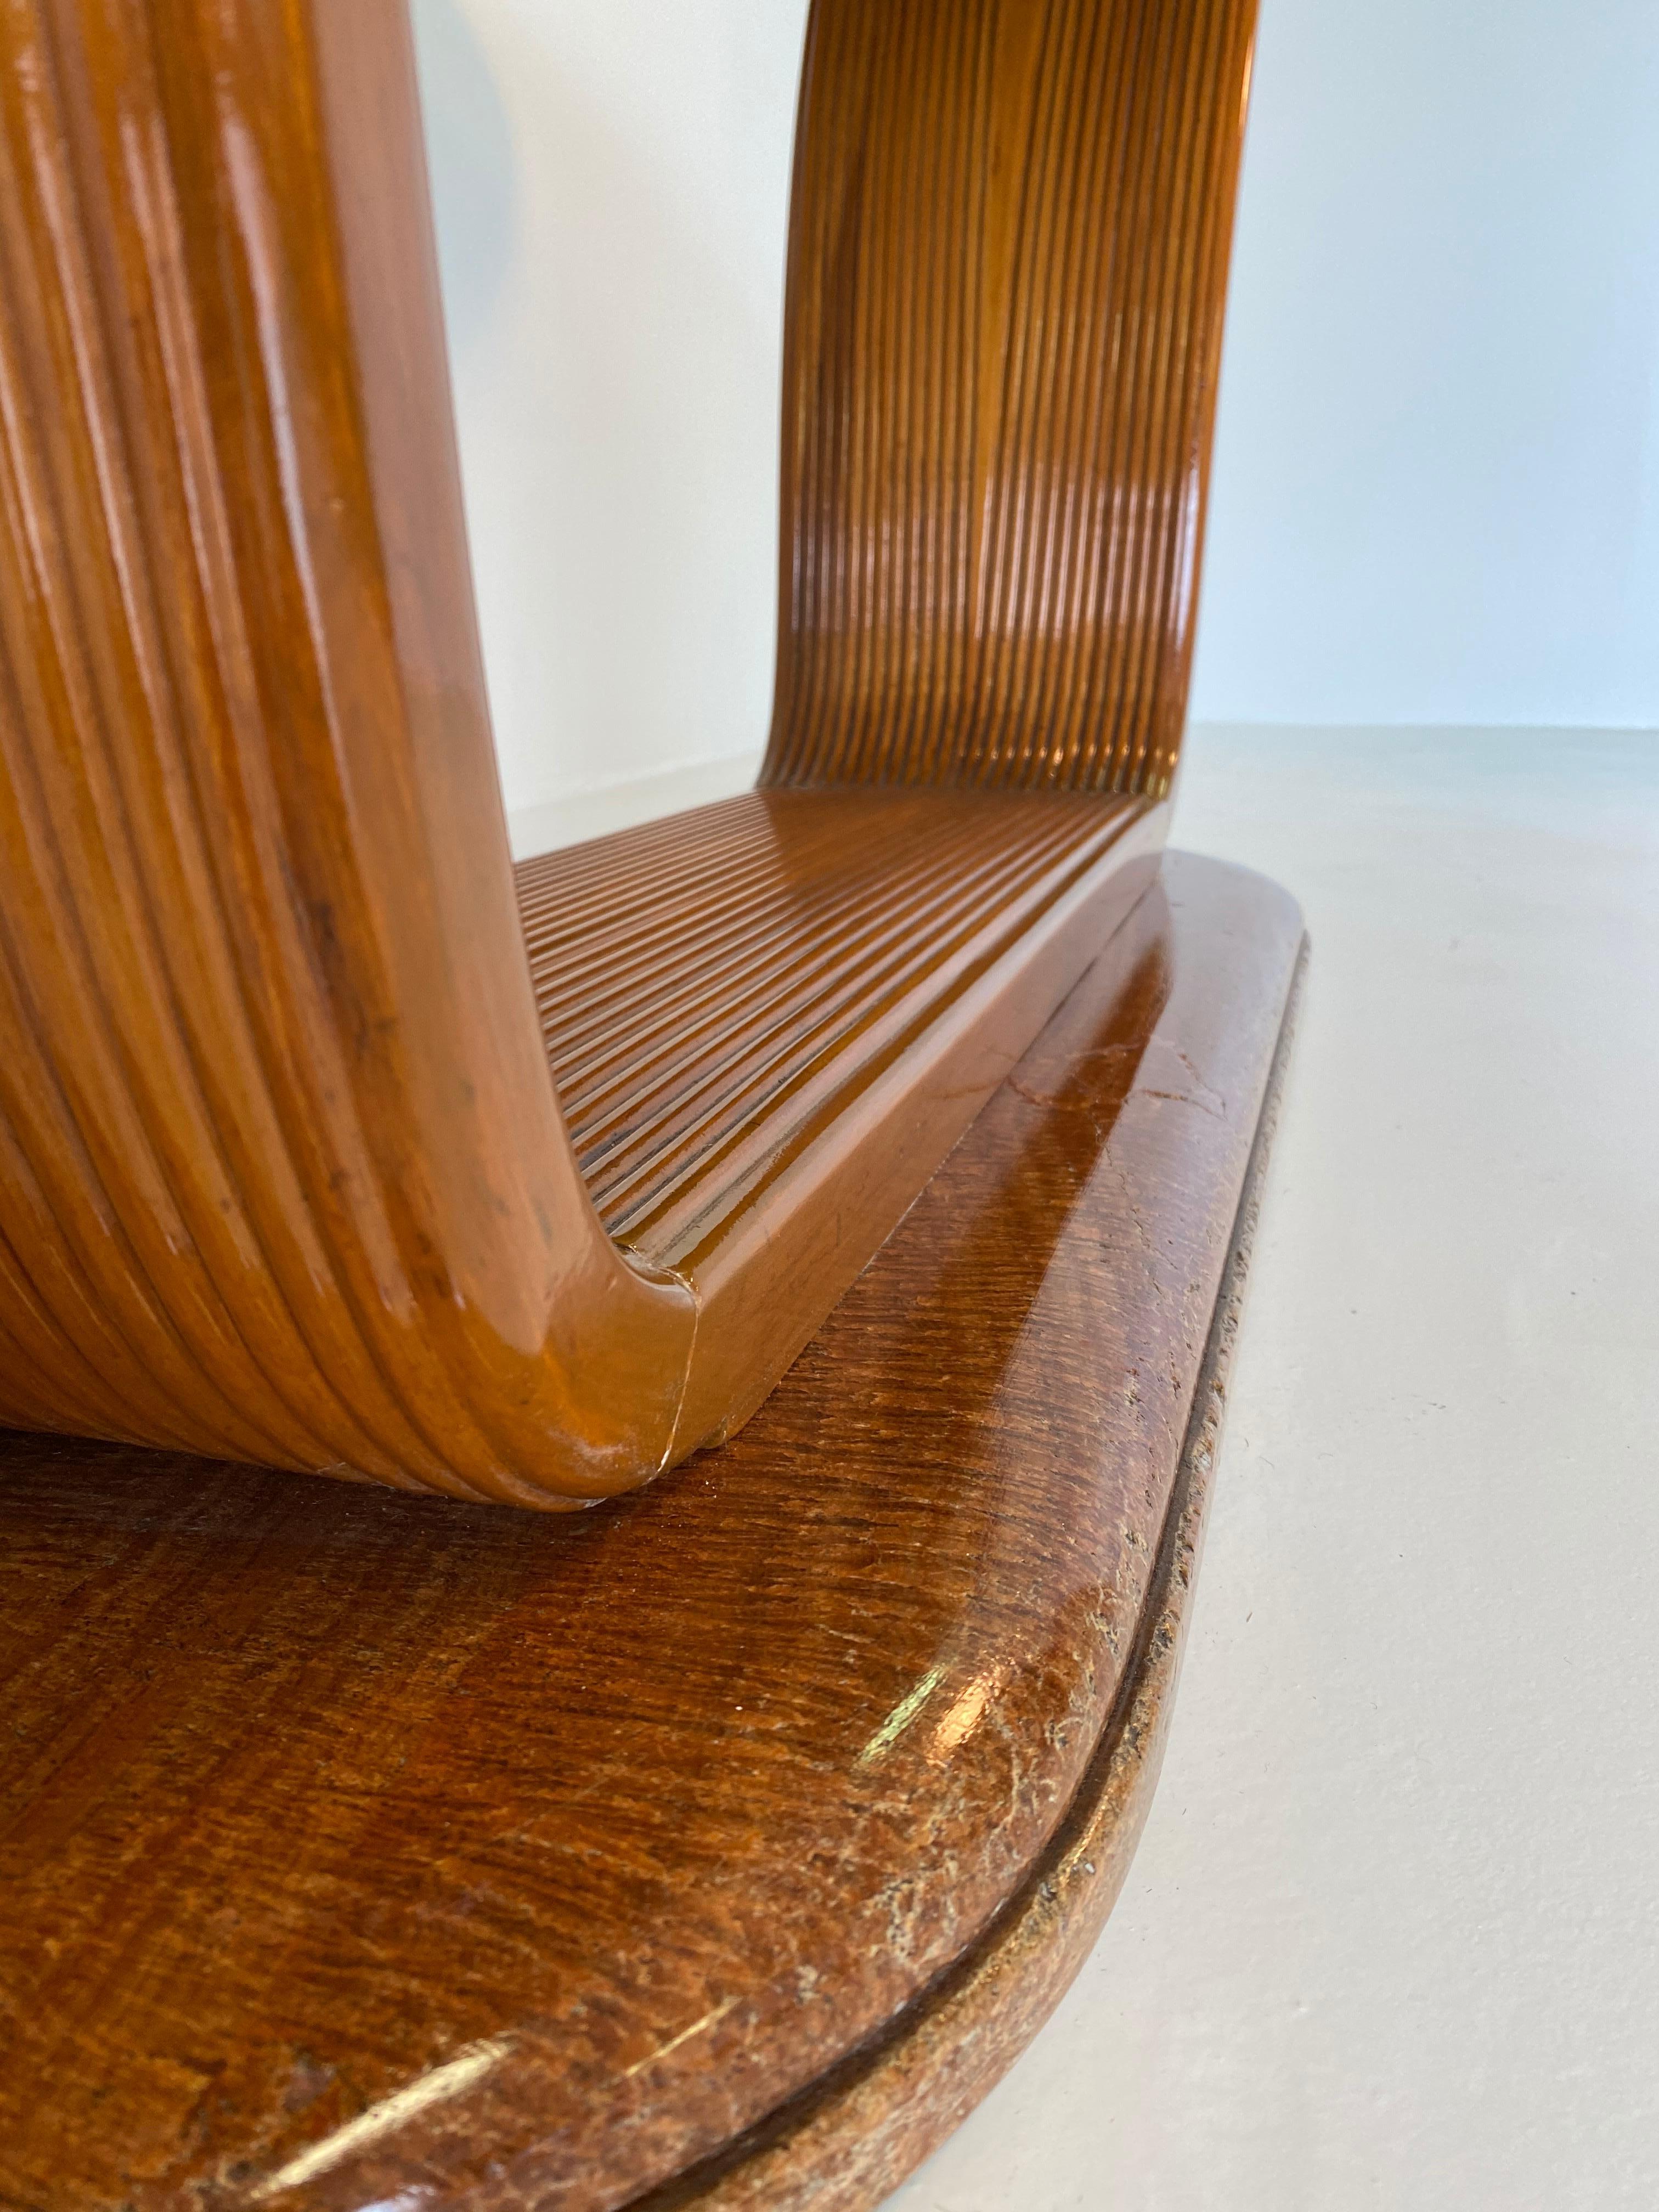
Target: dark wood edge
845,2142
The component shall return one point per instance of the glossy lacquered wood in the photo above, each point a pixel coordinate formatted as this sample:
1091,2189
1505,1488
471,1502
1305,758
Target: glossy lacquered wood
857,2132
714,1847
1008,254
283,1173
770,1019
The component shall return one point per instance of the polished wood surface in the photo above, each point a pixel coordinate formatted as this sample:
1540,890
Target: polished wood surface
364,1850
1008,254
282,1174
770,1019
857,2132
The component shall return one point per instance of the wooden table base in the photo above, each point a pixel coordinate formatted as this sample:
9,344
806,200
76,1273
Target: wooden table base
720,1846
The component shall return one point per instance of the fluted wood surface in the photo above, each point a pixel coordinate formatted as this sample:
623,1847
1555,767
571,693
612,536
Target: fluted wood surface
715,986
363,1851
284,1175
1007,271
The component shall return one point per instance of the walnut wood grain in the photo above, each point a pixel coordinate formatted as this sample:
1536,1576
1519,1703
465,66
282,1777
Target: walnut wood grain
283,1173
362,1849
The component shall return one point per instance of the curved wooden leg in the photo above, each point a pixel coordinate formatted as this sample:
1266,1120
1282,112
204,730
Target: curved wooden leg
724,1844
283,1175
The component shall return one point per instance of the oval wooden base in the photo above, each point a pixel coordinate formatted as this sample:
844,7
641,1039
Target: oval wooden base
720,1846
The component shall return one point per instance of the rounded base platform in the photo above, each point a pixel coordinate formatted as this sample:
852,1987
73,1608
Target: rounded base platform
722,1846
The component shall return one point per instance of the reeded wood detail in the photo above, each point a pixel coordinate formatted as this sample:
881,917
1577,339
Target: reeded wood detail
716,1853
1007,271
282,1173
284,1177
771,1019
810,938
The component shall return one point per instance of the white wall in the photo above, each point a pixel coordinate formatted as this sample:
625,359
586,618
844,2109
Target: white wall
1437,488
1437,494
612,185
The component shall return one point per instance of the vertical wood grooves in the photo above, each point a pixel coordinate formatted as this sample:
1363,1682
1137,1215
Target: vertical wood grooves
283,1173
252,1189
466,1785
1007,277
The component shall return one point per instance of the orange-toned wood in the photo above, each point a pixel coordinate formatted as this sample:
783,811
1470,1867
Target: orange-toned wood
770,1020
717,1847
282,1172
860,2129
1008,256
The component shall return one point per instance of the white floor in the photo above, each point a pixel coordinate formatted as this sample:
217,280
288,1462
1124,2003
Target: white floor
1392,1937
